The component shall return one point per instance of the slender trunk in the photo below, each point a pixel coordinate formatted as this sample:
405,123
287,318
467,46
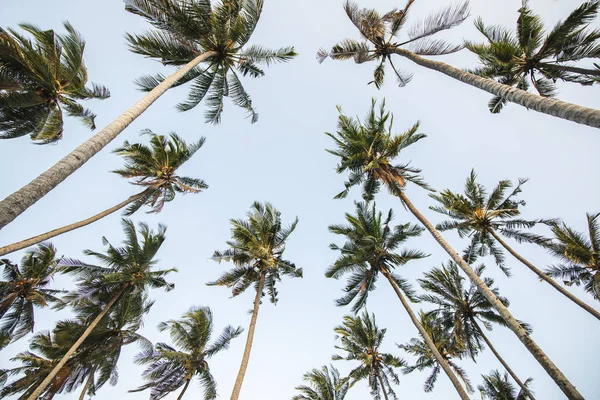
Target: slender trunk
87,385
561,380
237,388
67,228
15,204
576,70
440,359
557,108
504,364
385,396
187,383
40,389
545,277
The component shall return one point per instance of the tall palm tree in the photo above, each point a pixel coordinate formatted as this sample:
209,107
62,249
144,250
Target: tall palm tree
581,254
256,250
323,384
24,288
532,57
187,34
361,339
464,309
125,281
446,345
380,39
170,368
498,387
368,150
483,217
154,168
370,249
40,78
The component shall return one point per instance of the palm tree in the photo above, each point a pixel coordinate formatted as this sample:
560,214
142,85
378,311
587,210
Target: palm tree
464,309
368,150
170,368
533,57
380,40
256,250
24,288
581,254
323,384
446,345
41,77
125,280
151,167
186,34
481,217
497,387
370,250
361,339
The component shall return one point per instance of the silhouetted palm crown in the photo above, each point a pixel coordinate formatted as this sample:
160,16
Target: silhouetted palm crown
169,368
381,37
323,384
370,249
361,339
581,253
186,29
498,387
25,287
532,56
41,78
154,167
256,250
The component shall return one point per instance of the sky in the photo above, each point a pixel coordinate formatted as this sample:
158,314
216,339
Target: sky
282,159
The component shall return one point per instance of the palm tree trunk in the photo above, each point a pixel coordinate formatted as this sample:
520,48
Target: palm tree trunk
576,70
559,378
15,204
557,108
67,228
38,391
87,385
237,388
385,396
545,277
504,364
187,383
440,359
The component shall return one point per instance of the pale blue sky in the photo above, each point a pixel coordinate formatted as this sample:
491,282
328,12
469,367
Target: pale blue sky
282,159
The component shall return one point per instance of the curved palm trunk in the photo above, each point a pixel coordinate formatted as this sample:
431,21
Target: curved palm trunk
38,391
237,388
187,383
545,277
67,228
554,107
504,364
440,359
15,204
87,385
559,378
385,396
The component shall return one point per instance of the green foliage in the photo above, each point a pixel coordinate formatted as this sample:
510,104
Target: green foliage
39,80
498,387
183,30
323,384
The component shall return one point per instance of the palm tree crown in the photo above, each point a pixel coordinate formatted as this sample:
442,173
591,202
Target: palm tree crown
323,384
381,37
370,249
498,387
186,29
532,56
361,339
170,368
155,167
25,287
40,78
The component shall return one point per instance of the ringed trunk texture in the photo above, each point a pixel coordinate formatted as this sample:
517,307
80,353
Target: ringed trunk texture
187,383
15,204
385,396
504,364
40,389
571,112
559,378
546,278
88,382
67,228
440,359
237,388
